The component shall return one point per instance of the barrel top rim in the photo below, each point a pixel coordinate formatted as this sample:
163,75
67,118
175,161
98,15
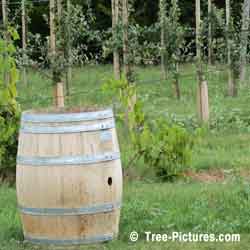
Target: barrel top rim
66,114
66,111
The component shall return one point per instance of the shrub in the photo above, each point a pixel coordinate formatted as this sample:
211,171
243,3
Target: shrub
9,109
162,144
166,147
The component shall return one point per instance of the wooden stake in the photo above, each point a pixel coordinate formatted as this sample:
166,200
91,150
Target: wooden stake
205,101
59,96
24,43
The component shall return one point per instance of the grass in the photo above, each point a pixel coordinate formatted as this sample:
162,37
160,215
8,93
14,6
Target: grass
223,151
159,208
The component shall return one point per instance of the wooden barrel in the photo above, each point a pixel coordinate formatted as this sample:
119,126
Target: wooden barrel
69,177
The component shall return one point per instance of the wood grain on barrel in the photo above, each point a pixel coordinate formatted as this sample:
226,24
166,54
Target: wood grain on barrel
72,226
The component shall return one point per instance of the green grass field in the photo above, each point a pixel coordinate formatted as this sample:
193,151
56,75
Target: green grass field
159,208
186,205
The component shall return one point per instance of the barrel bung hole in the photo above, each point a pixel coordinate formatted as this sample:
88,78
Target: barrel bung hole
110,181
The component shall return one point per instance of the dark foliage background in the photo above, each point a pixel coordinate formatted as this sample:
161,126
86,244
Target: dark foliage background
145,13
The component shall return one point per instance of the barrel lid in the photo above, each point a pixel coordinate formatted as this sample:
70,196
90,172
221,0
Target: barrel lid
64,115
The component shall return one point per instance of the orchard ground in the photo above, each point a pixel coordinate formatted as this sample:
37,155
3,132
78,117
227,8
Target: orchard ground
214,194
225,146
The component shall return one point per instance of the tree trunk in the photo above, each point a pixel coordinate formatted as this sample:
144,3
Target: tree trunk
198,30
210,39
6,75
52,28
4,14
115,22
58,88
202,91
176,83
163,68
59,9
231,81
126,59
68,50
162,16
244,40
24,43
